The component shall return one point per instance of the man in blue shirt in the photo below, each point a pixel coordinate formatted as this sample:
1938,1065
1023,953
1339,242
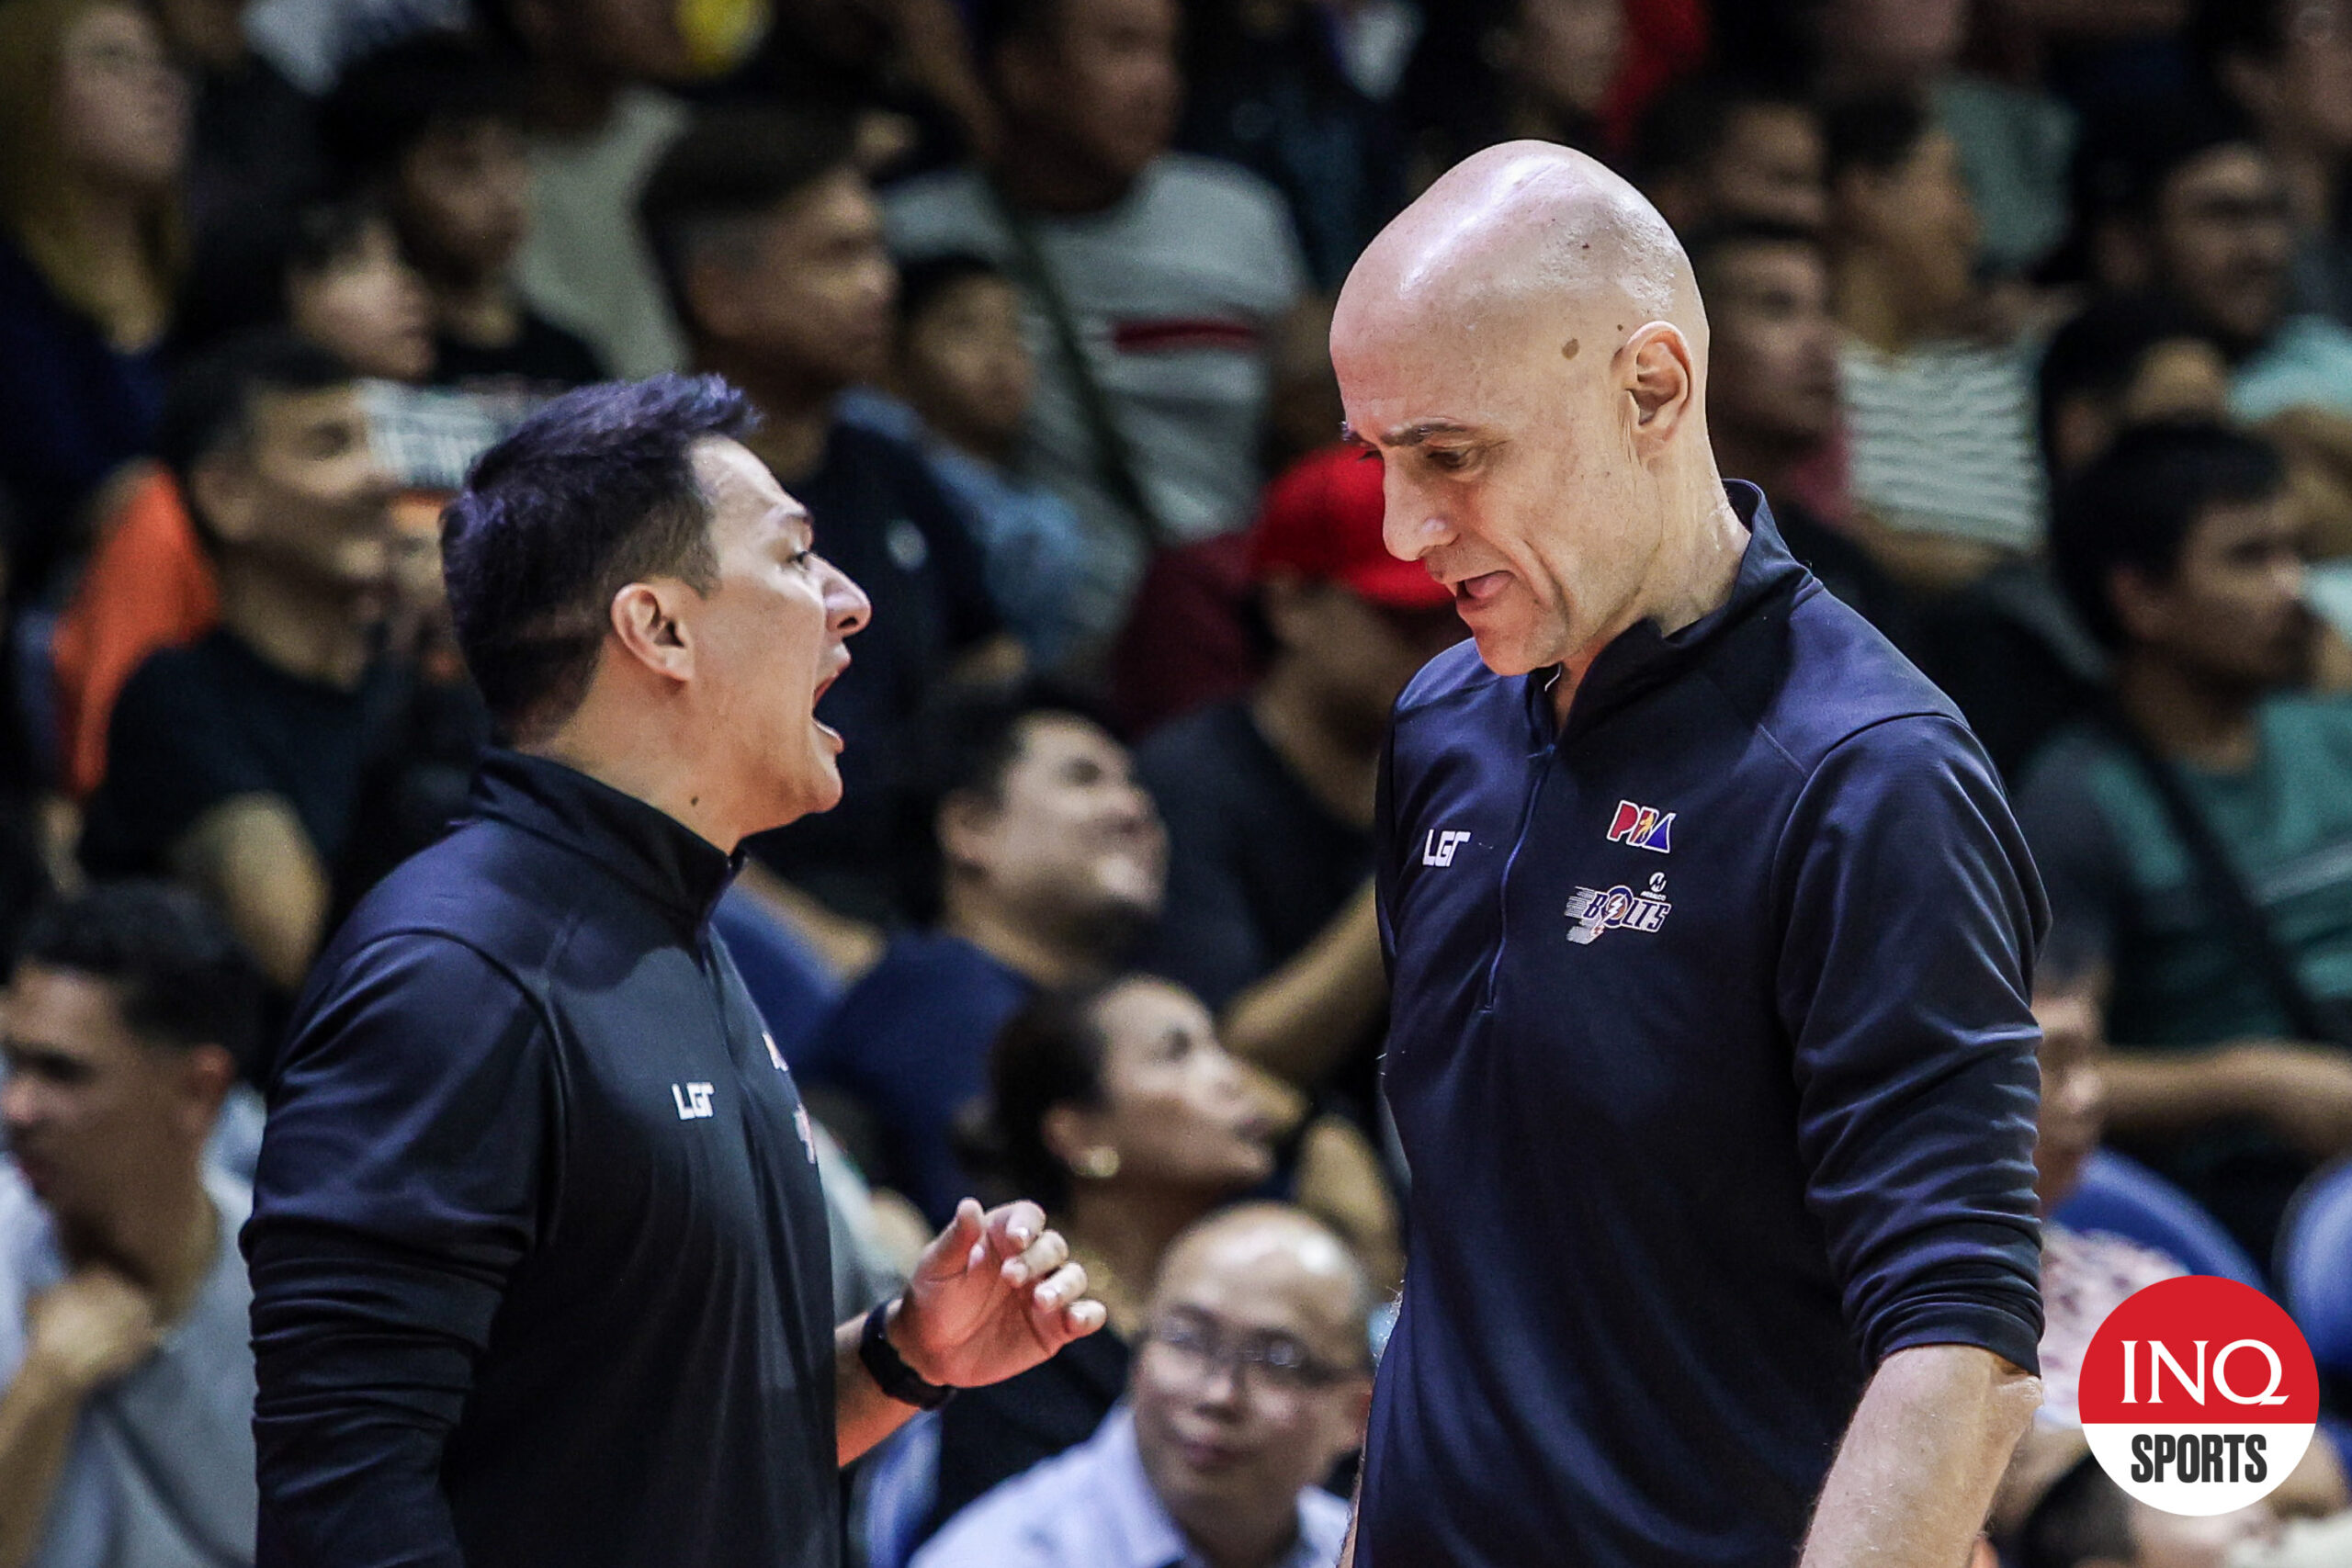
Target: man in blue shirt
1249,1385
1708,930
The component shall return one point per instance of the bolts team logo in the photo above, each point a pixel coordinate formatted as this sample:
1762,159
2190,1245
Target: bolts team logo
1643,827
2199,1395
1594,911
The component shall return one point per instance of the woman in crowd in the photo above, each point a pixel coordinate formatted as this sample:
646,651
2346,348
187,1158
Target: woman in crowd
93,135
1116,1109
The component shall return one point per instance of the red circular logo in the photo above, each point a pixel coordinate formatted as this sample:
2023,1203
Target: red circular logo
2199,1395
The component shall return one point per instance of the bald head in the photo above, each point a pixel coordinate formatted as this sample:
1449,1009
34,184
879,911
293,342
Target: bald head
1283,1253
1525,230
1525,347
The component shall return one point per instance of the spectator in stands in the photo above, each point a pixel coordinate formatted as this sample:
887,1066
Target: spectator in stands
351,291
2132,359
92,139
236,763
1269,799
1050,865
966,375
2085,1520
771,244
2088,1274
2230,961
2186,203
254,155
1772,395
595,80
1944,464
1271,90
149,583
1252,1380
2012,139
126,1423
1501,71
2288,67
1714,150
434,125
1115,1108
1155,281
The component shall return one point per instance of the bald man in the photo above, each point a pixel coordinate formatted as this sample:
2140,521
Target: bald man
1708,930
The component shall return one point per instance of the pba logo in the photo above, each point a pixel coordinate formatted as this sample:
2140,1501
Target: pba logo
2199,1395
1643,827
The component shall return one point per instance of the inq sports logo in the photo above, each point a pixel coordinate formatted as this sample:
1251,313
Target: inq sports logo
2199,1395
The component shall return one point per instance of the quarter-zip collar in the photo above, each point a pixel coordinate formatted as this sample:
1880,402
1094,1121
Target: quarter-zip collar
1642,657
669,862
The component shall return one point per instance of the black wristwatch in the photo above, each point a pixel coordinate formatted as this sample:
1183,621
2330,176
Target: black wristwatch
888,1369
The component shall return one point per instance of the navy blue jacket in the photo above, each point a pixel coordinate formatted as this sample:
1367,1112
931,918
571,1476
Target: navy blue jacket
539,1258
1711,1056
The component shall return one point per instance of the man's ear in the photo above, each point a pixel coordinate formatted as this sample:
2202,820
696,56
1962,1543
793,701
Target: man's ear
648,619
2139,604
1660,381
206,1074
965,825
221,489
712,287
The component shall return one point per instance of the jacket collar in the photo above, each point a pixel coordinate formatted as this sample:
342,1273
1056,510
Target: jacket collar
670,863
1642,657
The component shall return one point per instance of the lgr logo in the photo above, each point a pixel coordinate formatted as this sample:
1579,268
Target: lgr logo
1437,848
2199,1395
692,1100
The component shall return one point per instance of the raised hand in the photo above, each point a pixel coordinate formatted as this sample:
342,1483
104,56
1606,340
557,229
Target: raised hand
93,1327
993,1295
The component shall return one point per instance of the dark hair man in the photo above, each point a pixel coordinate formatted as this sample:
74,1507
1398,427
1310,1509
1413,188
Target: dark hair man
1940,425
1714,151
539,1258
769,243
1249,1385
2287,64
1772,392
2182,553
2130,359
434,124
1269,798
1708,1046
1156,281
236,763
126,1383
1050,864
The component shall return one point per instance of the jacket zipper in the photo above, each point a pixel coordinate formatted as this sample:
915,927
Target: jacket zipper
1542,761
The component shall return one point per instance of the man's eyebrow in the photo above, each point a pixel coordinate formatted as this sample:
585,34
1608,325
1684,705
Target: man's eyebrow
1411,435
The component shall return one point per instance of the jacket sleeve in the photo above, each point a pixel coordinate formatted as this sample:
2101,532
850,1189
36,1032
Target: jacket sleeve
1911,913
403,1176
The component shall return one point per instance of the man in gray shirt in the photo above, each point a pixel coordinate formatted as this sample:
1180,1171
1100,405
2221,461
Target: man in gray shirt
126,1437
1154,283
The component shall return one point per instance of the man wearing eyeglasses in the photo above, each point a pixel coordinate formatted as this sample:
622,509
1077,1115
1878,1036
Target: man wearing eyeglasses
1252,1380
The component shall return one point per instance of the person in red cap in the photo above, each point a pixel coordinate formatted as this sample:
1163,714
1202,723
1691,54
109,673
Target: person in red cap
1268,797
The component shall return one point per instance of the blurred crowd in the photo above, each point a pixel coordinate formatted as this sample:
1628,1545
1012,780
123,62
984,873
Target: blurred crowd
2032,317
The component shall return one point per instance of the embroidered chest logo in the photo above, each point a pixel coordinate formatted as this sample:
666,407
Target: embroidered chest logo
693,1100
1437,848
1643,827
1592,910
